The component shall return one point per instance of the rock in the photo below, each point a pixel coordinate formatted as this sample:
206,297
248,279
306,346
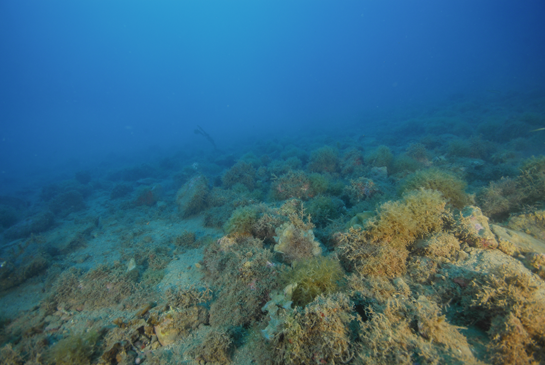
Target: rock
66,203
191,197
36,224
175,324
475,229
532,224
521,241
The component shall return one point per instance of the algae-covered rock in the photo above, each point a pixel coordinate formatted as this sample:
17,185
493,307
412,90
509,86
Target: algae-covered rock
66,203
532,224
439,244
191,197
36,224
519,241
296,243
360,219
473,228
215,348
321,333
176,324
279,302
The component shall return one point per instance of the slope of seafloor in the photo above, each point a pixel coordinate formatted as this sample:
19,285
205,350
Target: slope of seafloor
412,246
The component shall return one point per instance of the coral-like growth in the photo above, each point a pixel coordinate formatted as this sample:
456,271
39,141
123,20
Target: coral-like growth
313,277
318,334
266,225
181,298
295,239
175,324
451,186
241,173
324,159
148,195
404,165
372,259
10,356
530,223
319,183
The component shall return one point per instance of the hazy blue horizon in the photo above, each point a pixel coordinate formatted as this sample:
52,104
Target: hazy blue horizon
84,80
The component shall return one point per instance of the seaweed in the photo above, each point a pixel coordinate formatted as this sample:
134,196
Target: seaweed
313,277
75,349
320,333
451,187
324,159
382,248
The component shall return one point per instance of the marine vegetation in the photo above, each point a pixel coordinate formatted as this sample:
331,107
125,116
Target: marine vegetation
320,333
382,248
216,348
531,180
450,185
295,239
324,209
500,198
381,157
294,184
242,220
324,159
74,349
242,274
510,300
361,189
312,277
241,173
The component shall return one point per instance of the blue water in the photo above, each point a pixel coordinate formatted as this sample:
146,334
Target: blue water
81,81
